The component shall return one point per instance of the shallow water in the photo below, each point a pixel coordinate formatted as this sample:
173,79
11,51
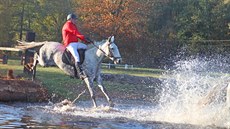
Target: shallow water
183,104
125,115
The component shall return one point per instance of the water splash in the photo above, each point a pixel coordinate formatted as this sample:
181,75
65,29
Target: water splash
194,92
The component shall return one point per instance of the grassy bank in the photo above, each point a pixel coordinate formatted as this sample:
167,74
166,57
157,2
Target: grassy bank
62,86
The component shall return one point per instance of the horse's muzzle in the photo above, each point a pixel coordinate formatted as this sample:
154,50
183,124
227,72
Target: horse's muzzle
117,60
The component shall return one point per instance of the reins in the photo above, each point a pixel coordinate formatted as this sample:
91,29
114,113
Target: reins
102,51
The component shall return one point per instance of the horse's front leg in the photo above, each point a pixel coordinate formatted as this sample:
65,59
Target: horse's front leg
103,89
228,97
90,86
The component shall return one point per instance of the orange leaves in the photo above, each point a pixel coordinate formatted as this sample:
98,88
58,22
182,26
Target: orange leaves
123,18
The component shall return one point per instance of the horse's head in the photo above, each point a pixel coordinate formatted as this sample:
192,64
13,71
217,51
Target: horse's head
111,50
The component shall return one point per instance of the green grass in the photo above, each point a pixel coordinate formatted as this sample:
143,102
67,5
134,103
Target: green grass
143,72
62,85
56,81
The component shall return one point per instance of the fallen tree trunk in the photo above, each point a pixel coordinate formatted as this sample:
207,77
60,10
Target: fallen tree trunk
22,90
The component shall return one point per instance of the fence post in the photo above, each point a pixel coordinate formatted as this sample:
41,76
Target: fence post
131,66
109,66
4,59
126,66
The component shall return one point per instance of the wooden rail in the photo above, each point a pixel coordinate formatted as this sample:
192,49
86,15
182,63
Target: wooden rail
11,49
27,49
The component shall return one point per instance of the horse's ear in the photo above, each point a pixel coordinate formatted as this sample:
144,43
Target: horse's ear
111,39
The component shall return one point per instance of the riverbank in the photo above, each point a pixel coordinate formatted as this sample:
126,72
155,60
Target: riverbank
136,84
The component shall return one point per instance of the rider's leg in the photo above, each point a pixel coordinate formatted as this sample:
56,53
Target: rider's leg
73,47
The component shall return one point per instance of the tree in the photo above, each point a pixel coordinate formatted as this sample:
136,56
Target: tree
49,18
7,33
45,18
126,19
190,19
205,19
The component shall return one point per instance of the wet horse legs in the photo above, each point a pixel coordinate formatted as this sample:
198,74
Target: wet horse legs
99,81
228,97
90,87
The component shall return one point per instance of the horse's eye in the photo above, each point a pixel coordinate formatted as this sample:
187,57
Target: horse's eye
111,47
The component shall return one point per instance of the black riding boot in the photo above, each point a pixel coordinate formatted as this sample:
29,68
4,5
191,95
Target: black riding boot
80,72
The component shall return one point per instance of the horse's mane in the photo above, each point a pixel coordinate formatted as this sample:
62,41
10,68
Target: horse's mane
97,43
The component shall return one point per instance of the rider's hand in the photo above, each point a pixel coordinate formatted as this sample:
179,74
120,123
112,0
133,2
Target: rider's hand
88,40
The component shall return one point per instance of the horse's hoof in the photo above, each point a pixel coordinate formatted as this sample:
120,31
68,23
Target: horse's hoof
111,104
66,102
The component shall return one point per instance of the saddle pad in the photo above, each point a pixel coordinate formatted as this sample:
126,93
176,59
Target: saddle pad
66,58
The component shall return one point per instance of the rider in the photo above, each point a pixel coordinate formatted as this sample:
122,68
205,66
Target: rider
70,35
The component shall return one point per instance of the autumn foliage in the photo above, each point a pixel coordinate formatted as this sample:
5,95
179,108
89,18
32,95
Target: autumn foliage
126,19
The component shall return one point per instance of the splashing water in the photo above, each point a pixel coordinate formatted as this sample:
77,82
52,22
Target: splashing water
194,92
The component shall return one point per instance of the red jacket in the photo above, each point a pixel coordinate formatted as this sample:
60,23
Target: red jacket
70,33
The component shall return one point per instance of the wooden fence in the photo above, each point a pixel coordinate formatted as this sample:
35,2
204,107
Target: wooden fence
124,66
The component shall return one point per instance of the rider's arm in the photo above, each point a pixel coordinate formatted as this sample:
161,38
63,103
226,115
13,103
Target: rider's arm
73,29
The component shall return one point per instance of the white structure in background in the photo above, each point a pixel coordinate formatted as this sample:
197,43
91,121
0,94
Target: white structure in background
125,66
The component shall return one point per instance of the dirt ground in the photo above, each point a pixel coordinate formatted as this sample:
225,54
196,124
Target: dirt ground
126,87
134,87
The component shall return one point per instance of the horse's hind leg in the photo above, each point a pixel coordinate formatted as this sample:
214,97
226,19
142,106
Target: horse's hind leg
90,87
36,57
103,89
228,97
33,68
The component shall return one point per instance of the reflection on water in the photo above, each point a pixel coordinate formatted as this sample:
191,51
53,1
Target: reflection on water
21,115
126,115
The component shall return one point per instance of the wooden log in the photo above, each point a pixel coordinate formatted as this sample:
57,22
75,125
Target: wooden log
22,90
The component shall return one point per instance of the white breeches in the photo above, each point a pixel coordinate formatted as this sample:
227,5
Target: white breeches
72,47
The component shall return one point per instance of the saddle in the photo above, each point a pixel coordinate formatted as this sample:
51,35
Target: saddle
67,57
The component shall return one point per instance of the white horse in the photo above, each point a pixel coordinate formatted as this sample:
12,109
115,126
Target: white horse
51,54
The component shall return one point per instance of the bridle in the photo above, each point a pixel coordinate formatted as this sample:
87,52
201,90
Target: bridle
110,55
